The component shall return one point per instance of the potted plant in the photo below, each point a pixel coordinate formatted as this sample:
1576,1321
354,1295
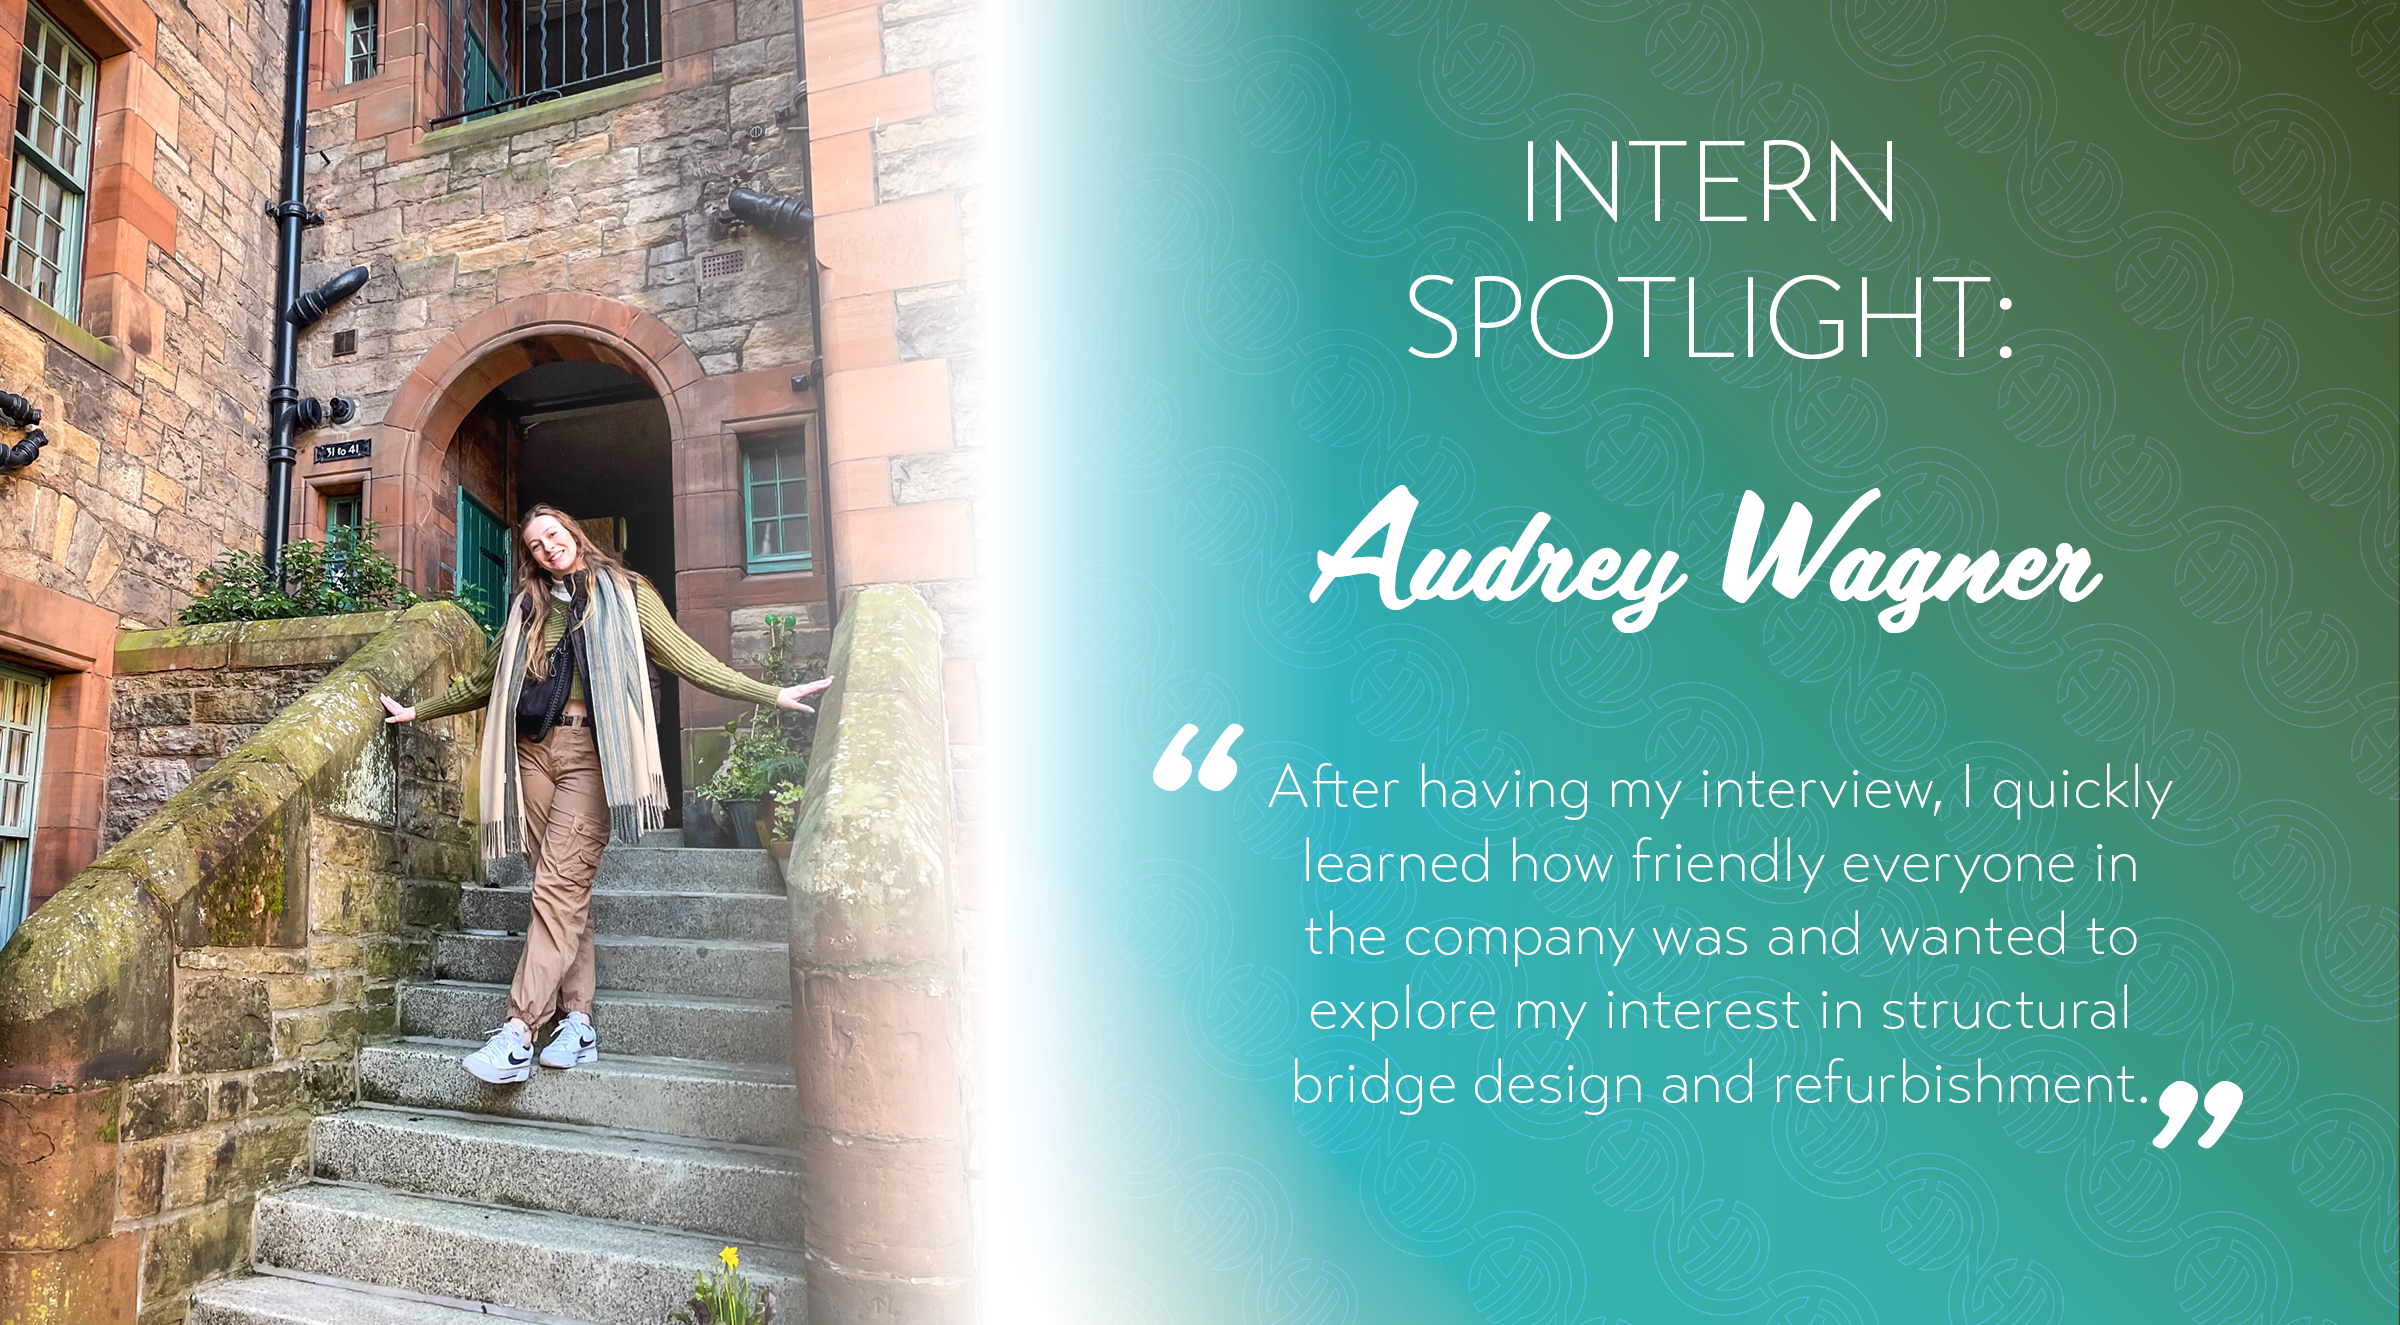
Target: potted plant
786,818
758,759
766,754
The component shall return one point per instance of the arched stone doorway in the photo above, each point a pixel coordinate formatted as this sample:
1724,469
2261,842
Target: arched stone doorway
601,382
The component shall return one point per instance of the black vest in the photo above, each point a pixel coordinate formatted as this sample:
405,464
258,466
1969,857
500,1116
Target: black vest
541,702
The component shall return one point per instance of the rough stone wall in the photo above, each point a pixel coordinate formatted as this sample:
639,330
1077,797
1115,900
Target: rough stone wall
170,1022
155,405
608,191
182,698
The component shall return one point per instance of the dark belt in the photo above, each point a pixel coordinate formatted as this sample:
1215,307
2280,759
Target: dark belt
574,720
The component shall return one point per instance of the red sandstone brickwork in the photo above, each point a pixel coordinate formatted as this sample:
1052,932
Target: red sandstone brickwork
896,108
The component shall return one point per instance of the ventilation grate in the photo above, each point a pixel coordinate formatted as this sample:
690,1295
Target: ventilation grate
345,342
721,264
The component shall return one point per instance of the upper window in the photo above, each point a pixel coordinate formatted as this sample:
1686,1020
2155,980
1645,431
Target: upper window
53,165
775,505
501,54
359,40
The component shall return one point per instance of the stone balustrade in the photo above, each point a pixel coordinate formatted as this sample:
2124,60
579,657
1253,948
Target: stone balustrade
877,1001
171,1020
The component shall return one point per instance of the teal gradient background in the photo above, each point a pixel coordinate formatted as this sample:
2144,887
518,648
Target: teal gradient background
2193,212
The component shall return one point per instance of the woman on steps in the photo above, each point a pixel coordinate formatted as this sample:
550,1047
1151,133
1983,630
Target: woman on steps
570,760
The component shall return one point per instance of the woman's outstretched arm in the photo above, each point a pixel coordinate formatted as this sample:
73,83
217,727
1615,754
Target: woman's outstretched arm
679,653
465,697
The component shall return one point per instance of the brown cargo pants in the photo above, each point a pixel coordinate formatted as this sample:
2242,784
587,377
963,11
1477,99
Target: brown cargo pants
566,824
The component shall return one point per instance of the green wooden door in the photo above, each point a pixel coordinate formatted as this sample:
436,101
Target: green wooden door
24,707
483,552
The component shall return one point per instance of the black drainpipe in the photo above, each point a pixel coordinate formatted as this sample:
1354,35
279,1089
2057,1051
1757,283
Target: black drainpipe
795,118
291,216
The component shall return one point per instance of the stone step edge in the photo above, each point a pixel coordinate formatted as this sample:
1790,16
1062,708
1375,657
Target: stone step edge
298,1194
479,1310
526,890
630,940
623,996
660,1060
729,1070
502,1122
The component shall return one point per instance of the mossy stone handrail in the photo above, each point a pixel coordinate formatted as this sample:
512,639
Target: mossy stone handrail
87,982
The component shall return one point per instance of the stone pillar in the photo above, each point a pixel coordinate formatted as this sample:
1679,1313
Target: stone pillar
875,983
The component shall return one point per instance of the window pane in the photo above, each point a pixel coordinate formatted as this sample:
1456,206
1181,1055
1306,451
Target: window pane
12,807
776,480
361,44
45,216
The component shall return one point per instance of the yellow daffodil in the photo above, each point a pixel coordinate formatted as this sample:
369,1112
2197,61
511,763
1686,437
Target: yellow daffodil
732,1258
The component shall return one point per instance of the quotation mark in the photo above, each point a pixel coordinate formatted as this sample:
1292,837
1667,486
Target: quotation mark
1216,771
2176,1101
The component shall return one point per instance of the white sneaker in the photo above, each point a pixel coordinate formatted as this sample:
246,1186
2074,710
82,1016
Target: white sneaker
504,1059
576,1042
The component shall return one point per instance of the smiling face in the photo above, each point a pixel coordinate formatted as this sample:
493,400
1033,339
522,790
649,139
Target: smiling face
551,546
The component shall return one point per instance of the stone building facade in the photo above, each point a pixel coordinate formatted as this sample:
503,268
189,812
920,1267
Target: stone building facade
587,229
557,310
148,363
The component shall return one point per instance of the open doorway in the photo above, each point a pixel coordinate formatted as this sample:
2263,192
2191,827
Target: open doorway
592,440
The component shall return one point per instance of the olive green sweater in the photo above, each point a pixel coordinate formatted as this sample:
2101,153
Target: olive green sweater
662,639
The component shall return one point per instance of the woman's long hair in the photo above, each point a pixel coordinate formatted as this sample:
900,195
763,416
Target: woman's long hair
533,581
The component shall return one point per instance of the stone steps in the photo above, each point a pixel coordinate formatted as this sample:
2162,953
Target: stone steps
741,1030
527,1260
745,1195
745,1103
725,968
661,869
664,915
591,1196
274,1300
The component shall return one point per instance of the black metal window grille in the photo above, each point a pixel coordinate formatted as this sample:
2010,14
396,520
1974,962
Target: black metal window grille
502,54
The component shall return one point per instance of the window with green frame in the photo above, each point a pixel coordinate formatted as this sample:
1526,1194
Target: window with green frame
53,165
775,505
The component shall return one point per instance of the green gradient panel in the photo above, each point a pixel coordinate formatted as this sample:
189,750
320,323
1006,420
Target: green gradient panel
2193,216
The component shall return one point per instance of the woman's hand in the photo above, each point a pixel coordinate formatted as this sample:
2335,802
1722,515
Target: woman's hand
399,712
790,696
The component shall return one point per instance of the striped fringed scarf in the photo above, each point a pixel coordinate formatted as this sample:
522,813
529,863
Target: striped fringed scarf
625,728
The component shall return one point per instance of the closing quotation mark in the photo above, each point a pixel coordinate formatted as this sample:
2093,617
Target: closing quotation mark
1216,770
2176,1101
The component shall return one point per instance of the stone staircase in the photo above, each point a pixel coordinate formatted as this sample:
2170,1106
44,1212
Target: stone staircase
590,1196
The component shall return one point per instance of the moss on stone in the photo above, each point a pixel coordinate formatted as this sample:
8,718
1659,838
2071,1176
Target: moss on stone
87,983
870,861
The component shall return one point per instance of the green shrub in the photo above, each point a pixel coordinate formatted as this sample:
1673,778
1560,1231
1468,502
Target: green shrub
345,573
